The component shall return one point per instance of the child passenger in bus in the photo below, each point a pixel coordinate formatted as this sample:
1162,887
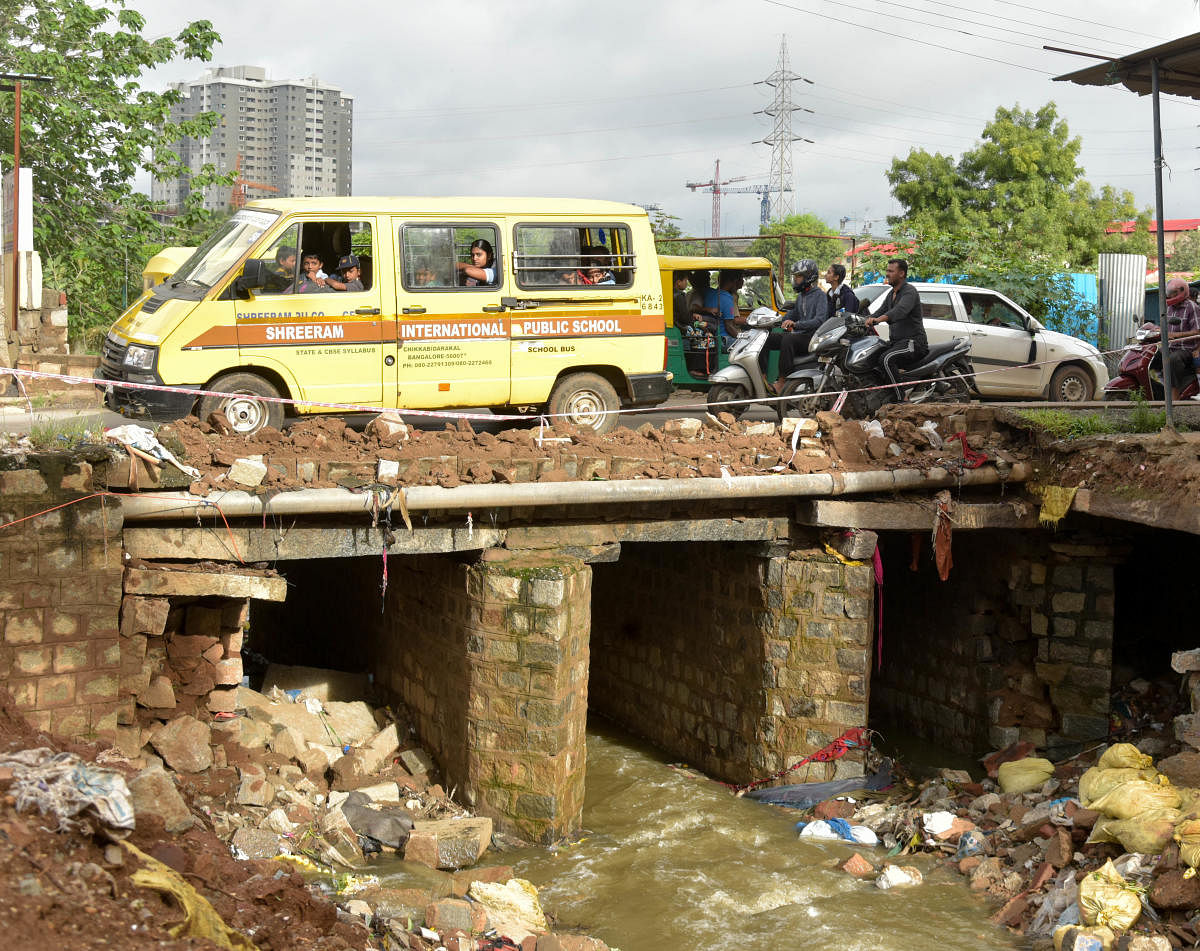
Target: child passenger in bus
349,271
481,272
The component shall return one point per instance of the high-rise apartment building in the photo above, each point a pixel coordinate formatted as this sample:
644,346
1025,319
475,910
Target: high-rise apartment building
287,138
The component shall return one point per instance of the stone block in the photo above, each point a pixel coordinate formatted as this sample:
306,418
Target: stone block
288,742
460,842
448,914
24,627
256,843
184,744
255,789
1183,662
417,762
221,700
351,723
228,673
461,881
422,848
247,472
377,751
55,691
32,661
158,695
144,615
1068,602
154,793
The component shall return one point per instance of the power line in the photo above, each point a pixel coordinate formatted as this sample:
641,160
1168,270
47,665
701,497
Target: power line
912,39
462,111
1024,6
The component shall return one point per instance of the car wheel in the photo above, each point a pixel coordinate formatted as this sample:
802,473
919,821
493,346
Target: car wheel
1071,384
586,400
723,393
246,414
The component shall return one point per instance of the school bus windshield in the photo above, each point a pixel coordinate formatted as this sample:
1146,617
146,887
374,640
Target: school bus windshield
217,255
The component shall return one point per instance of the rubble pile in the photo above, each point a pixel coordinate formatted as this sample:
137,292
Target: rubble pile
258,830
326,453
1098,851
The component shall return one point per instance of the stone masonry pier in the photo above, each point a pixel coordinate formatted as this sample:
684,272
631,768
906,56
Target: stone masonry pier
732,631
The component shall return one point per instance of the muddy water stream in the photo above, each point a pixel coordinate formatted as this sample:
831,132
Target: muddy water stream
671,860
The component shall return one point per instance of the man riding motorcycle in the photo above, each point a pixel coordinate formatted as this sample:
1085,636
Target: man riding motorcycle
802,316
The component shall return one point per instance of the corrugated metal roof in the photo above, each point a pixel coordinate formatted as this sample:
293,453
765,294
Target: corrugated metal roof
1178,69
1172,224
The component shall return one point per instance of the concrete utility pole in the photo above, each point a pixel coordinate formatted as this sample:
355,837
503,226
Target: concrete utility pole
781,137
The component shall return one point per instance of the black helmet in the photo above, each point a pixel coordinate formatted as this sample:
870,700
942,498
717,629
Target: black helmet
804,271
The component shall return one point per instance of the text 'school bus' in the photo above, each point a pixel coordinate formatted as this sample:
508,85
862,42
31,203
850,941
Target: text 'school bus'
523,305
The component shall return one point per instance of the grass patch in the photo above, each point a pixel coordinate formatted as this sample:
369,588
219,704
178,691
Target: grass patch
62,433
1067,425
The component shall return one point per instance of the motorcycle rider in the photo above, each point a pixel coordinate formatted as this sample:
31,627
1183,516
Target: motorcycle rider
806,313
1184,351
902,312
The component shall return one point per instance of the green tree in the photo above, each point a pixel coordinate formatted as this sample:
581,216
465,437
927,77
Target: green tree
666,233
1035,281
822,250
86,133
1186,255
1021,187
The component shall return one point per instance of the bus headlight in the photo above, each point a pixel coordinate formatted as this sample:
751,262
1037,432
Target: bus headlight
140,358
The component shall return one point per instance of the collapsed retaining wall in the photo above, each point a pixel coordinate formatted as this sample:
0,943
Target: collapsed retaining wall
736,659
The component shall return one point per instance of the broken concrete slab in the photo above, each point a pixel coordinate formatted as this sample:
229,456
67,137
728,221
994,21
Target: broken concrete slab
257,843
417,762
324,685
352,723
200,584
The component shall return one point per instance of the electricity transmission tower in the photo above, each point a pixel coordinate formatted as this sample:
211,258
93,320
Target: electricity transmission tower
781,137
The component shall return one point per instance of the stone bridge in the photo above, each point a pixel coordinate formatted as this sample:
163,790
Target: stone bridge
734,623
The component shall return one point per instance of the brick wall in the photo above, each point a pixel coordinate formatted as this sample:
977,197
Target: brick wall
736,661
1015,645
60,591
491,660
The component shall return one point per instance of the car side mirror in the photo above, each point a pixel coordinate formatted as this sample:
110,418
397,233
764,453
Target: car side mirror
253,276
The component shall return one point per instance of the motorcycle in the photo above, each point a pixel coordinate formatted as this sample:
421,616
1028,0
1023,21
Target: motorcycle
1140,370
743,378
848,356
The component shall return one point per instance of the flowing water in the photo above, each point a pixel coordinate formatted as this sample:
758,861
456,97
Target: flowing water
672,860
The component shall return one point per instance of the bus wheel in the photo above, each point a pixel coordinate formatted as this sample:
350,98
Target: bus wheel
586,400
245,414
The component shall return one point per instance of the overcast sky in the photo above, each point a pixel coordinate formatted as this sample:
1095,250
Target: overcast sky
631,99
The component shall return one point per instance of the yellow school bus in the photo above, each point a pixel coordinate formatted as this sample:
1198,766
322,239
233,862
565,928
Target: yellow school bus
517,304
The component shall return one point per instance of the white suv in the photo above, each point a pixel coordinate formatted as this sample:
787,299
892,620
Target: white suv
1004,338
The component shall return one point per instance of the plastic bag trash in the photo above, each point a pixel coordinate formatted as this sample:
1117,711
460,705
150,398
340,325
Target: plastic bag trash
1105,898
896,876
200,919
1097,782
819,829
63,785
864,836
1024,775
1124,756
313,706
1059,907
937,822
972,842
1135,798
929,428
1147,834
872,427
141,438
1187,834
1098,938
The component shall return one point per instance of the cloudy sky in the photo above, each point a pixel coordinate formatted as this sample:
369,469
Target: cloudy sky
632,99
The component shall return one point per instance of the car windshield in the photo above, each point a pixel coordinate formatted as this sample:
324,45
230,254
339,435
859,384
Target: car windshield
213,259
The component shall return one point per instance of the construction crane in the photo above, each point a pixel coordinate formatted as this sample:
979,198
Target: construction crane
237,197
764,194
715,185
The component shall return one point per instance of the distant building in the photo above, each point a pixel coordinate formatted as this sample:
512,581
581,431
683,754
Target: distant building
287,138
1174,228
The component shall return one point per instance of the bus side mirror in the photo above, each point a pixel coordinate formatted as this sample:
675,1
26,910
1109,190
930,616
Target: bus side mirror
253,276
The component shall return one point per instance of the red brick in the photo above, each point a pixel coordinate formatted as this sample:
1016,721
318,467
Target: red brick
185,647
32,661
39,720
72,657
234,615
62,559
203,621
70,722
96,686
102,623
232,642
62,626
24,627
55,691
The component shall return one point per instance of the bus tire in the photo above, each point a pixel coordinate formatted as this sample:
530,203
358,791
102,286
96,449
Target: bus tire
246,416
586,400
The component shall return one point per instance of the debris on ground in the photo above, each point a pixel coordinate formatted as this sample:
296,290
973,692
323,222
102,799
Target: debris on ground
252,832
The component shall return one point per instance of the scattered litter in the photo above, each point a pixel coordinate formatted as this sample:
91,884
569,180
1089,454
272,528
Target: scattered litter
62,785
898,876
142,439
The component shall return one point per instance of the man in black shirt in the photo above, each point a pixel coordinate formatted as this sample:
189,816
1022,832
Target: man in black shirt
902,313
